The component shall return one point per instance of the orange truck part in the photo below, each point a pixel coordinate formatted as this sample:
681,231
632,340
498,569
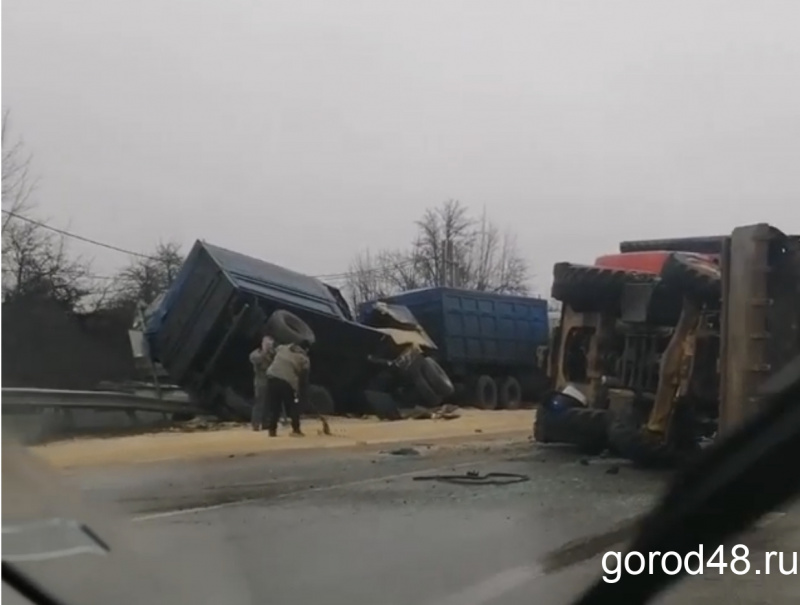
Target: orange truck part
643,262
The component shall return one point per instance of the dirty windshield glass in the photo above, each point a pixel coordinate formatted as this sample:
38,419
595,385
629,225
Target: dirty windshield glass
387,302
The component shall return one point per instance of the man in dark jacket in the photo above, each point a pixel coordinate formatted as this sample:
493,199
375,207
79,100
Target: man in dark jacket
287,384
261,358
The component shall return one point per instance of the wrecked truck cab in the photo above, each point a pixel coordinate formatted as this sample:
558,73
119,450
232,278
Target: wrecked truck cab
214,313
409,372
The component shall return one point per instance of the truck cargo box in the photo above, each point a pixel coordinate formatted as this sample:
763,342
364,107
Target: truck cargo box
210,319
482,328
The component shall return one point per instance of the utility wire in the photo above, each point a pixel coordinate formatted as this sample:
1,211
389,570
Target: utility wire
88,240
77,237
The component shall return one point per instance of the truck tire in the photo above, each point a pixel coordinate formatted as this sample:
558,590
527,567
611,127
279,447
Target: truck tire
427,395
485,394
436,377
573,424
320,401
628,438
586,287
510,393
696,275
287,328
426,392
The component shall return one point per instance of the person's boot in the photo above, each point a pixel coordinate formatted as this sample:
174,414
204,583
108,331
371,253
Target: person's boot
273,433
297,433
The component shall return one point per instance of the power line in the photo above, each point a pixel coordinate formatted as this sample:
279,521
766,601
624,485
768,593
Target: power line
343,275
78,237
88,240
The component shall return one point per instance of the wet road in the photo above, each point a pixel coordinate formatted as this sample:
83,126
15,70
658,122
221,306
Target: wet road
353,527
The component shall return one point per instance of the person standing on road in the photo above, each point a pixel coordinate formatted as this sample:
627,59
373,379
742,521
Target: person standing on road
287,384
261,358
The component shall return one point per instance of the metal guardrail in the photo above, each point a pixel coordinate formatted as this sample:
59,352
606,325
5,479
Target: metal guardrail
90,400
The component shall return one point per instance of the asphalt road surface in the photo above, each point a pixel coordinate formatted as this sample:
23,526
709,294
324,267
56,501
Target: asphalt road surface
353,527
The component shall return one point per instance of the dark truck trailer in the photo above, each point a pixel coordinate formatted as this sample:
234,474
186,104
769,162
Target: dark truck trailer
213,314
491,345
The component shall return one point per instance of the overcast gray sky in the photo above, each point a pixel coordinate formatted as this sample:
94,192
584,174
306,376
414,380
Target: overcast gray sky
302,131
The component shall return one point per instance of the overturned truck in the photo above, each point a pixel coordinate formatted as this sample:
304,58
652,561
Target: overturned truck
668,341
202,329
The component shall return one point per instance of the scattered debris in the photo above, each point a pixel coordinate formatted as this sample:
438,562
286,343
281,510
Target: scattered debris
417,413
475,478
203,423
445,416
446,412
478,430
404,451
612,470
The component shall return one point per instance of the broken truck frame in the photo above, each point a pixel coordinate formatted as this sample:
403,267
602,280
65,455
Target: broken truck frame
641,347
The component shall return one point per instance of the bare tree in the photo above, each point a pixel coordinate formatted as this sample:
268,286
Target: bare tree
37,265
444,243
36,262
451,248
371,276
18,184
145,278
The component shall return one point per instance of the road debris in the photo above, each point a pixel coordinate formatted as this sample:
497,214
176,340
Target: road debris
475,478
404,451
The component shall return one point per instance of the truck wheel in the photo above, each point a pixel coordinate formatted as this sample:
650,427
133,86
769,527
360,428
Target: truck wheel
586,287
692,273
485,395
436,377
428,396
320,401
422,386
585,428
562,419
287,328
629,438
510,394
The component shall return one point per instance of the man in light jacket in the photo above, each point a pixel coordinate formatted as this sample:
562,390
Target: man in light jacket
287,384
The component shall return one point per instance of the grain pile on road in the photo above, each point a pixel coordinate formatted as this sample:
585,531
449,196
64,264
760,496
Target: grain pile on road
237,440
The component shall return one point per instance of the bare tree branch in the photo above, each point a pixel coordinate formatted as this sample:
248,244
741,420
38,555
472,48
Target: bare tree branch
451,248
18,185
36,262
145,278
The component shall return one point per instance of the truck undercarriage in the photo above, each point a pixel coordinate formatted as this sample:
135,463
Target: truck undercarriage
657,345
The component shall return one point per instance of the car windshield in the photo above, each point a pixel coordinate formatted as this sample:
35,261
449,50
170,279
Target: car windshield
391,302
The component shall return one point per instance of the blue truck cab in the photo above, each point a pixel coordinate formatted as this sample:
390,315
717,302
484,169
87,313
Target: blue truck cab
491,345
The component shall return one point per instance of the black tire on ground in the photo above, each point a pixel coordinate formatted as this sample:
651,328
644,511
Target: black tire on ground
695,275
320,401
510,393
239,408
287,328
629,438
428,396
485,394
585,428
436,377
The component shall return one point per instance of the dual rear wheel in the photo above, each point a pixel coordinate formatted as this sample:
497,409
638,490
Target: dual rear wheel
487,393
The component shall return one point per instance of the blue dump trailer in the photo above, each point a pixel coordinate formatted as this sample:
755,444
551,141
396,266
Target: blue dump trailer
491,345
202,329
